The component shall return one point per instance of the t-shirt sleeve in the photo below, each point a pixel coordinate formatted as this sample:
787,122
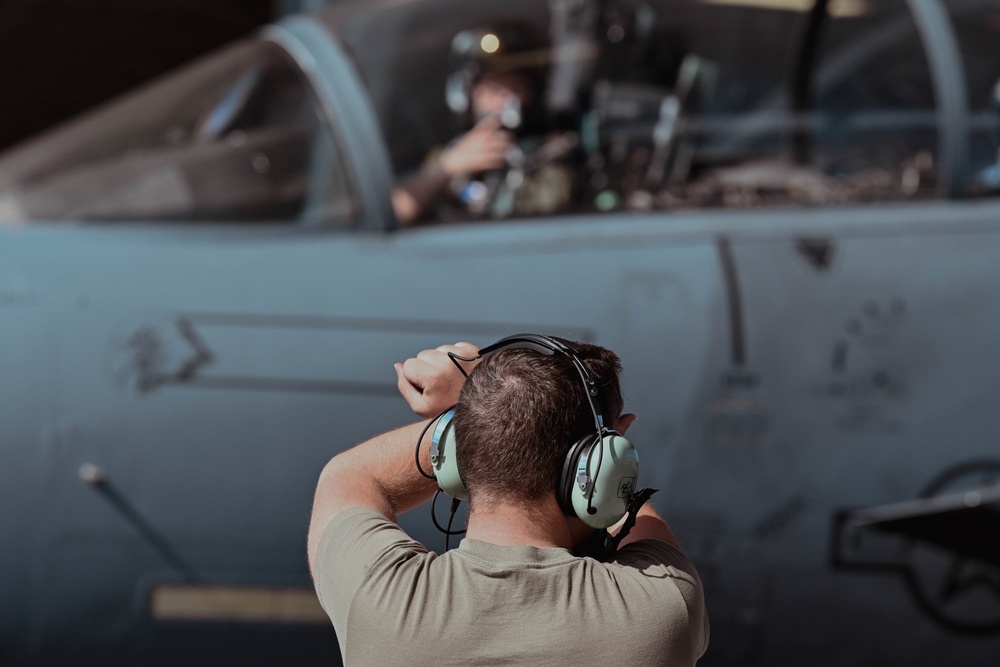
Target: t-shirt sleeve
655,553
662,564
350,548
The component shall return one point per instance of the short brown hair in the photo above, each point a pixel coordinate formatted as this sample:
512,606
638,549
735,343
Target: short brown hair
519,413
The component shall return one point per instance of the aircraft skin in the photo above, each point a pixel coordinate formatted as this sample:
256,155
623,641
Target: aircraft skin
801,377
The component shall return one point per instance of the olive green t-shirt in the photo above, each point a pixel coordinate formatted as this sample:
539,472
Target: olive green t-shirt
394,603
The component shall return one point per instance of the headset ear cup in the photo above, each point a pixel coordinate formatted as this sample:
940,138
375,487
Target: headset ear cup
567,480
444,458
603,498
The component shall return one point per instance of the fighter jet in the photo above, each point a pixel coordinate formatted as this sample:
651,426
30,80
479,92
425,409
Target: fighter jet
783,215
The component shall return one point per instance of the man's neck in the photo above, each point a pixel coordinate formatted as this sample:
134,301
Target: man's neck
510,525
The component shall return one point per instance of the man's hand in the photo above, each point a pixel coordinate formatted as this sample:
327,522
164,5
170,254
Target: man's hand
431,382
482,148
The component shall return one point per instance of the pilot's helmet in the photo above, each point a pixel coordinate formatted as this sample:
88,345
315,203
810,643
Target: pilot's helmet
501,48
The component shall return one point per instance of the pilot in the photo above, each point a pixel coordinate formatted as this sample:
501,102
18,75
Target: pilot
504,164
515,591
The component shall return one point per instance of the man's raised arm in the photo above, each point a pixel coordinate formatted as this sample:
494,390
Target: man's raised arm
380,473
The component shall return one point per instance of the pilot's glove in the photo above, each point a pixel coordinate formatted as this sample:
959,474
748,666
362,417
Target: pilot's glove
483,148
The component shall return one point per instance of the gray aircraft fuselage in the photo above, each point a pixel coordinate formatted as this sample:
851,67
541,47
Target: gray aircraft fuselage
816,392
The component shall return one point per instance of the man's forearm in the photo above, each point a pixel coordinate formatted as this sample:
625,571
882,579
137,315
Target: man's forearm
380,474
650,525
380,471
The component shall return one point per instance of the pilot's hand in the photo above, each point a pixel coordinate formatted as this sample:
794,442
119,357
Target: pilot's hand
483,148
431,382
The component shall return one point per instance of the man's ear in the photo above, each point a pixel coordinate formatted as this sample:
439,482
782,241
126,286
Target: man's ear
624,422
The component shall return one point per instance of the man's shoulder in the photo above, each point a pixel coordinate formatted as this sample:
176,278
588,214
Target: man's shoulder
356,526
361,535
653,551
655,563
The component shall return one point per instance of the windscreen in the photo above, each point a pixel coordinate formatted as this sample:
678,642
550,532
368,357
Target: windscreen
681,104
234,137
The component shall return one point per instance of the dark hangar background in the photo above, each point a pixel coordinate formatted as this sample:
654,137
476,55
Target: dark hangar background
61,57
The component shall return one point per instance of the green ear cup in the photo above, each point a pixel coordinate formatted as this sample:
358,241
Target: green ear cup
444,460
605,478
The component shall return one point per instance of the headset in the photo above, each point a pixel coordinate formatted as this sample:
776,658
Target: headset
499,47
599,474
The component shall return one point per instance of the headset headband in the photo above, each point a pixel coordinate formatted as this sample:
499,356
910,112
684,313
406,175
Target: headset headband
547,345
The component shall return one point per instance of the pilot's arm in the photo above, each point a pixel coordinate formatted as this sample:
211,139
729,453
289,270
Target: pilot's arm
483,148
380,473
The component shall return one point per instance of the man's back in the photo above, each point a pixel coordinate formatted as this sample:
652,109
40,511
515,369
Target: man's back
483,604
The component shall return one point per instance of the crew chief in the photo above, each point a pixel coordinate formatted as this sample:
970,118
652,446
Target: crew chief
513,592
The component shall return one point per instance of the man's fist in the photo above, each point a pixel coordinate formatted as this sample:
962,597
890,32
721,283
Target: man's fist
431,382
